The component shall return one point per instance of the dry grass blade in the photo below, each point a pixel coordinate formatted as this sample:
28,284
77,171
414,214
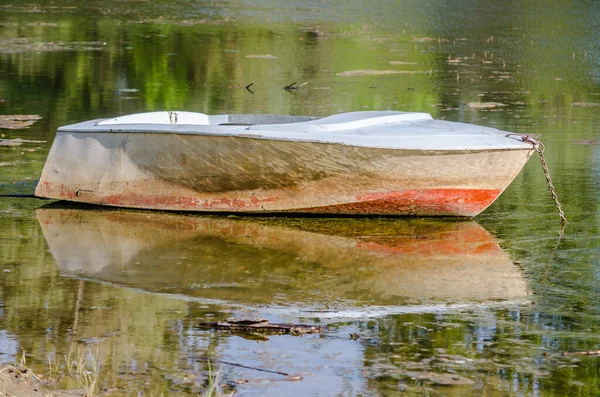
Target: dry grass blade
83,365
88,369
213,384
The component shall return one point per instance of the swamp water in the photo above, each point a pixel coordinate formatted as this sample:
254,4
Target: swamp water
442,307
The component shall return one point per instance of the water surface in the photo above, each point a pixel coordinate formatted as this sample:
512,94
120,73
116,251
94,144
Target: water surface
493,302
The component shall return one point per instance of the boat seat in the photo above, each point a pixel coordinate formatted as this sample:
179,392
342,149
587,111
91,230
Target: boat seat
347,121
254,119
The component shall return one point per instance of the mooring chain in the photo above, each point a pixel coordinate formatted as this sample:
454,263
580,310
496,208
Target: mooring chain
539,147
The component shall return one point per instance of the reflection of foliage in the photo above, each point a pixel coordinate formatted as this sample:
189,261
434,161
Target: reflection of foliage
502,350
195,67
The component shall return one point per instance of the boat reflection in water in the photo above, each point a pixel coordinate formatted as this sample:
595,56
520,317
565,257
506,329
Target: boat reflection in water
307,263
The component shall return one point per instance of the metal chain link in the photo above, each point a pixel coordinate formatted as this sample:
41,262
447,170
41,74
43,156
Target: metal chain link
539,147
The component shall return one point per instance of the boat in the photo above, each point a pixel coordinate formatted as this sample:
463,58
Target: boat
307,263
358,163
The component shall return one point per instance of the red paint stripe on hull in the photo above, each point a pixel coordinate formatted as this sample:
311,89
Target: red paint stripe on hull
434,202
453,202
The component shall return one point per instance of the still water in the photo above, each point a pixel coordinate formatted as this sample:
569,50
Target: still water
443,307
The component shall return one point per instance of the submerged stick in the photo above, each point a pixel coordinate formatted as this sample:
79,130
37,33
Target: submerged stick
243,366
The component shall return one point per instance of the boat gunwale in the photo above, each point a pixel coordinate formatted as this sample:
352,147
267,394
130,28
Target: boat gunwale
237,131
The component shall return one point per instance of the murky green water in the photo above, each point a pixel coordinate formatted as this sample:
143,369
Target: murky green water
494,302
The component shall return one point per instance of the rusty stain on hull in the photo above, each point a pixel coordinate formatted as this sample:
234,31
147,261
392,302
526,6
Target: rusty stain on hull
432,202
466,202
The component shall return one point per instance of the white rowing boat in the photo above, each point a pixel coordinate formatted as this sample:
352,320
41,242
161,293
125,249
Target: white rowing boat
371,163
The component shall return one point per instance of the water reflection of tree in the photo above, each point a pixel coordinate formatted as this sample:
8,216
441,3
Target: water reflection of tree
502,351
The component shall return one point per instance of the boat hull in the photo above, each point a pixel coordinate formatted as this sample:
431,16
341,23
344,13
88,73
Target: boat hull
248,174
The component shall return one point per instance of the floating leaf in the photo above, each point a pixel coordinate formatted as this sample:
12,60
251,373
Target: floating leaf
51,25
17,142
484,105
376,72
585,104
26,45
587,142
9,142
424,39
262,56
16,122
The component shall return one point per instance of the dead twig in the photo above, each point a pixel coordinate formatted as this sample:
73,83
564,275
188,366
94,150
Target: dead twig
243,366
288,379
262,325
294,86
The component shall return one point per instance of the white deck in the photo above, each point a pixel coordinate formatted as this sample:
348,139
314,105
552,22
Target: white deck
387,129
